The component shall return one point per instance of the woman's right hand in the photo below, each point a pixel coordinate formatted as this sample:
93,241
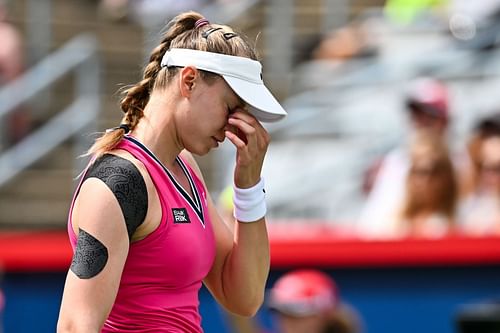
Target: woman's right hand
251,141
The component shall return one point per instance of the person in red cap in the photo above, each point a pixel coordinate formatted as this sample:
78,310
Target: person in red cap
426,102
308,301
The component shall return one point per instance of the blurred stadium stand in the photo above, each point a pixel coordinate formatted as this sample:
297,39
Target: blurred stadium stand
40,195
340,126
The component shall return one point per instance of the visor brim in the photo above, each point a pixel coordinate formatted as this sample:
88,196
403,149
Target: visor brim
263,105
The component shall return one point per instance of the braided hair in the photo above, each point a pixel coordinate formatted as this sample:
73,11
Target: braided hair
181,32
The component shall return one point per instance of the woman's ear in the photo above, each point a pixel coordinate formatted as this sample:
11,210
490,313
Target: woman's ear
188,80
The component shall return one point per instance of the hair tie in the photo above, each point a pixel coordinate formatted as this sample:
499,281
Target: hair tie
124,127
200,23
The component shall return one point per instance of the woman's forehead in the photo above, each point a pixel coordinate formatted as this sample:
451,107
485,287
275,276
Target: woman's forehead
233,99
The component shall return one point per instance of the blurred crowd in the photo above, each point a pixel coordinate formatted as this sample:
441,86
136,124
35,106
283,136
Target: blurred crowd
422,188
432,181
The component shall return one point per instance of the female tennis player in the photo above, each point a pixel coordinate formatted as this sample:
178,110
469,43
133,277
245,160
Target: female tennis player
142,224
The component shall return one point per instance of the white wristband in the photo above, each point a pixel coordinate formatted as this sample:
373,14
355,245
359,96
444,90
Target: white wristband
250,203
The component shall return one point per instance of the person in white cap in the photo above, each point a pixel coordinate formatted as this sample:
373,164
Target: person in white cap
427,107
144,229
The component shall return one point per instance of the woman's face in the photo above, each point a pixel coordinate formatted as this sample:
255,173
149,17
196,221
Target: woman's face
305,324
422,120
490,163
427,177
205,122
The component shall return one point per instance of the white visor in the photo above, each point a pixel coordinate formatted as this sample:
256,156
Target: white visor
242,74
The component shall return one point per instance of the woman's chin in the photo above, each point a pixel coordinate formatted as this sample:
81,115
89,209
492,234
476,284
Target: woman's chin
201,151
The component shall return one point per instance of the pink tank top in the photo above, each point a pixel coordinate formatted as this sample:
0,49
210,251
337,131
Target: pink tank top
163,272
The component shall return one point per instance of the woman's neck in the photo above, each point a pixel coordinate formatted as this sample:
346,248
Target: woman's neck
157,130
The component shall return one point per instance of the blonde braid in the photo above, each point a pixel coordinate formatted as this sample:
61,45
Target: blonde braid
133,102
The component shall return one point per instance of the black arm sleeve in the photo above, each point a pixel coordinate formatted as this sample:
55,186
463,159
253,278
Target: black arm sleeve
128,186
90,256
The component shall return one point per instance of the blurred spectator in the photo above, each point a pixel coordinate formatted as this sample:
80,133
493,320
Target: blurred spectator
11,66
331,56
308,301
341,44
431,190
426,103
486,127
479,209
11,51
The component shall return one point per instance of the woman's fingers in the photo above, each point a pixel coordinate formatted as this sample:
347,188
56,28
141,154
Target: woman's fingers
254,136
251,140
235,139
244,130
250,126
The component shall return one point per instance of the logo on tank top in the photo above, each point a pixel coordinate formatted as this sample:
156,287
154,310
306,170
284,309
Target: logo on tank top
180,215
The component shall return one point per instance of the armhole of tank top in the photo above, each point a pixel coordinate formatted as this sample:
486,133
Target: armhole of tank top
130,148
163,225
